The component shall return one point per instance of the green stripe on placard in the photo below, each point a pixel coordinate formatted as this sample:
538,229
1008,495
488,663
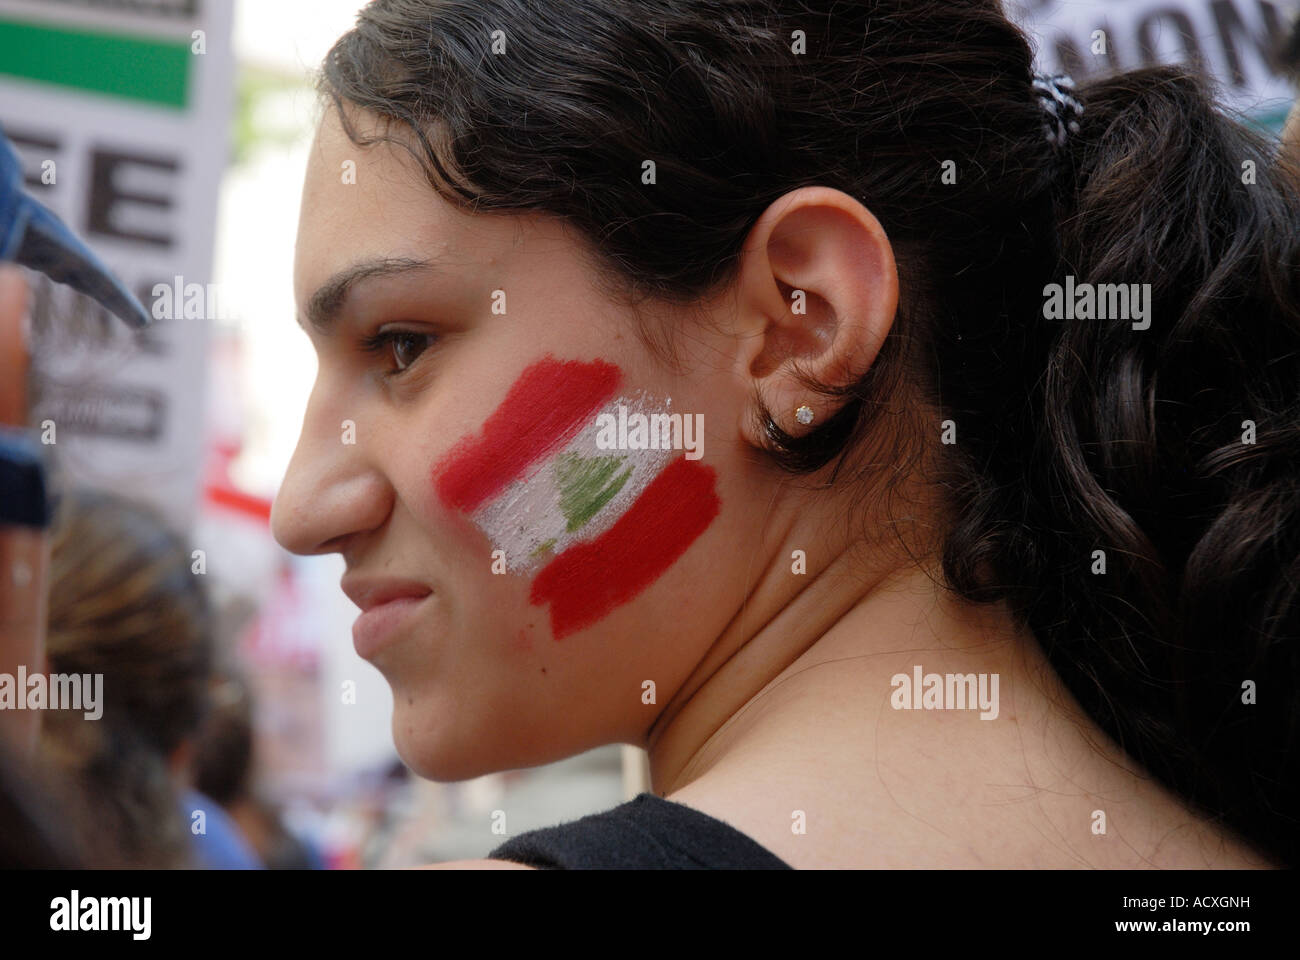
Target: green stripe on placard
117,65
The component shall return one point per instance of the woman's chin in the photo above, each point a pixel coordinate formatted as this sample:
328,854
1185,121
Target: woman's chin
444,751
429,756
447,750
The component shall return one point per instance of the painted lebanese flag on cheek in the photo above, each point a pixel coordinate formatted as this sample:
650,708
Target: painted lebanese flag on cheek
596,526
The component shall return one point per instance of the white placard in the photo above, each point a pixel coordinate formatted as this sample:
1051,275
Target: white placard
124,136
1232,37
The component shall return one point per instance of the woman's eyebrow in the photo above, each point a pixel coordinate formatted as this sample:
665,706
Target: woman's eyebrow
327,302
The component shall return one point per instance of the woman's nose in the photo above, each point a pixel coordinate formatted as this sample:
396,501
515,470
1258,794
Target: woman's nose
331,490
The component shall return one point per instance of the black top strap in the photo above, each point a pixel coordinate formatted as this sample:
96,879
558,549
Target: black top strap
646,833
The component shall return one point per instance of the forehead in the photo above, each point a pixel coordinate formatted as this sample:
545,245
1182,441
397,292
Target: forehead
373,202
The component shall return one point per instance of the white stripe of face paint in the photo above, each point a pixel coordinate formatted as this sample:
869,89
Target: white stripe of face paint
527,514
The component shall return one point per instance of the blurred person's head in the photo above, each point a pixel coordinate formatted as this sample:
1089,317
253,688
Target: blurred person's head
224,770
222,761
660,208
125,604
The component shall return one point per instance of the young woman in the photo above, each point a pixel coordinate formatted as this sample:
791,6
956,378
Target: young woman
974,539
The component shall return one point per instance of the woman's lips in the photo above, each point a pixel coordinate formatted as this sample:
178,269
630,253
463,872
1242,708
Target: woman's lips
385,606
378,626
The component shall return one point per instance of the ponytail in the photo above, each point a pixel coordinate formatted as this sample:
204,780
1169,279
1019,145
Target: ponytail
1168,601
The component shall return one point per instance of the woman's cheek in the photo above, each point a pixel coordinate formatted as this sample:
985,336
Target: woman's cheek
589,490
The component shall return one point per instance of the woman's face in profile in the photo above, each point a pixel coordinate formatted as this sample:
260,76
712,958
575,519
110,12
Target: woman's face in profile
527,552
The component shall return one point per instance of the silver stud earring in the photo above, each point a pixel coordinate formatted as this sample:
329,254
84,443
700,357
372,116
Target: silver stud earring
804,414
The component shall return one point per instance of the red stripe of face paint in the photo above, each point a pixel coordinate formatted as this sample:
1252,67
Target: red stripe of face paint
588,580
543,411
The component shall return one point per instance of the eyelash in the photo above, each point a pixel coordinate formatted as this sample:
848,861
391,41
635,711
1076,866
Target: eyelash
384,341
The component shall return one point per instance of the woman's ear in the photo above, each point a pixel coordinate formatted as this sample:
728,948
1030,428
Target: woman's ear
817,290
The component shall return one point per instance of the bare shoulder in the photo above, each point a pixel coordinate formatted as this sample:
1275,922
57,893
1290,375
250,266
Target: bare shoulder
476,865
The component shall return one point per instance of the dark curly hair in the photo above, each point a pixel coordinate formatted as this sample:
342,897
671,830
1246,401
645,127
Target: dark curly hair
1073,435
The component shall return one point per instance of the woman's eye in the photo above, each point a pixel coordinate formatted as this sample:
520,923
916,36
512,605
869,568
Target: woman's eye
401,347
407,347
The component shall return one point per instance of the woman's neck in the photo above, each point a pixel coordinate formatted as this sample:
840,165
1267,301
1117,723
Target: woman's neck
908,728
